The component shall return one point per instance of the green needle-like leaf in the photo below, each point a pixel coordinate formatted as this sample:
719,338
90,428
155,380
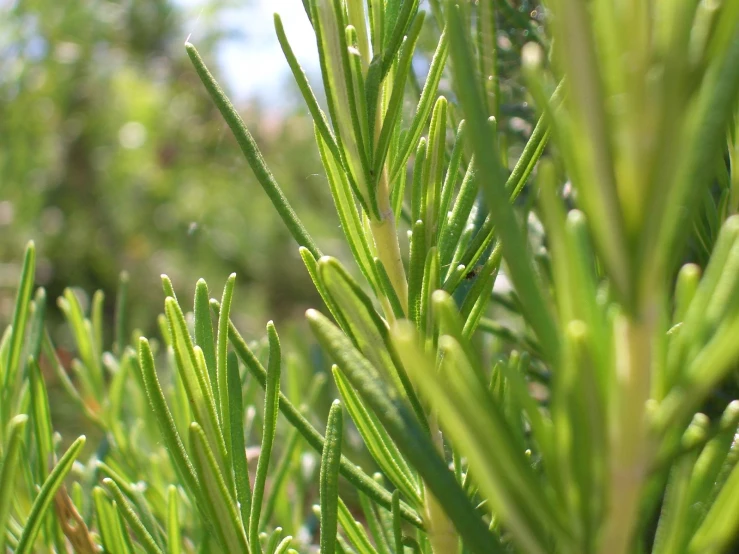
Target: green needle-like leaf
219,504
348,215
126,510
425,104
43,501
204,333
271,407
9,469
396,99
536,308
433,170
349,470
18,327
467,413
319,118
223,398
413,442
191,365
252,154
721,524
167,427
238,452
329,479
397,528
383,450
174,537
114,537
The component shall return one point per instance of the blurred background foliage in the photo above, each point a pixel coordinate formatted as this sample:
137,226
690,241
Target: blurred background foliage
113,158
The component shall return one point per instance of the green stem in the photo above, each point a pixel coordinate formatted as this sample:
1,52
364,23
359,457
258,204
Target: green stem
385,234
442,534
630,450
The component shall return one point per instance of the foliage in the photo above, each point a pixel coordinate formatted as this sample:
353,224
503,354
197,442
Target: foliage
580,428
113,158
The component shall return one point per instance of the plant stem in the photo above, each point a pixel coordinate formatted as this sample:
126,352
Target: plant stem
630,449
385,235
441,531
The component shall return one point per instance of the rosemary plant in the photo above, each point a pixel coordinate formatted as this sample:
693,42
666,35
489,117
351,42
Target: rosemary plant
579,418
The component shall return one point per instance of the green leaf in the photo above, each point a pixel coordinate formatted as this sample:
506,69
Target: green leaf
218,501
252,154
223,386
433,171
329,26
135,495
392,115
672,533
470,416
357,98
425,105
534,304
377,531
41,416
721,524
114,537
386,287
487,55
43,434
397,524
286,463
394,38
167,427
532,151
63,376
96,322
284,545
704,133
126,510
174,537
8,471
84,339
312,266
454,223
478,297
417,184
319,118
42,502
204,335
405,430
364,323
416,267
238,452
273,540
36,325
431,282
377,441
354,531
366,326
450,179
271,408
705,477
349,470
348,215
18,328
191,366
329,479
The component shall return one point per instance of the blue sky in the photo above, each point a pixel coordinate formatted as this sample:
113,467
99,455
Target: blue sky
254,66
